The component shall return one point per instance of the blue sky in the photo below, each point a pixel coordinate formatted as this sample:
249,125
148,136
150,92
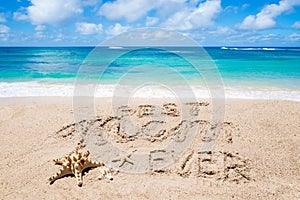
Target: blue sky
209,22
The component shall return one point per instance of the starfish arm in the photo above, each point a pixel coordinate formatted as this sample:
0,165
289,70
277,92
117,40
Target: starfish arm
86,154
60,161
89,163
78,175
63,171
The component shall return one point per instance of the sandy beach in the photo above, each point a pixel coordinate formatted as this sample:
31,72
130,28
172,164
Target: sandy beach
168,99
255,157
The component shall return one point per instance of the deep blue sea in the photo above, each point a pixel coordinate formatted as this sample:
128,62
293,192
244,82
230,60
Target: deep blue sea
253,73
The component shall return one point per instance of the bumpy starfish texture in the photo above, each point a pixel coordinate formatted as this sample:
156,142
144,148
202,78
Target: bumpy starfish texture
74,163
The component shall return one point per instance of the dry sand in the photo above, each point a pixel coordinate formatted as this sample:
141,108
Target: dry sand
256,155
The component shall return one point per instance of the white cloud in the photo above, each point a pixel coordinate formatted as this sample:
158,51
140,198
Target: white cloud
4,32
117,29
192,17
233,9
244,6
53,12
58,37
133,10
269,37
4,29
40,28
149,37
90,2
88,28
294,37
266,17
2,18
166,8
130,10
151,21
222,31
296,25
19,16
39,35
39,32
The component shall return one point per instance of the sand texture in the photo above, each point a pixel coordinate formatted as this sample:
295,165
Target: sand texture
256,155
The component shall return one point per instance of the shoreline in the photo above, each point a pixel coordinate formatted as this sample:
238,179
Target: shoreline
69,100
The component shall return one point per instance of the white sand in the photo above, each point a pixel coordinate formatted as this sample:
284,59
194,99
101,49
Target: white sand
256,157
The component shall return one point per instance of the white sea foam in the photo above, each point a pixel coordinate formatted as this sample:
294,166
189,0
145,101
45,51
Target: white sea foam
26,89
269,49
22,89
115,47
263,93
249,48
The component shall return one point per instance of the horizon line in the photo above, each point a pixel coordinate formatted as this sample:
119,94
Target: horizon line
205,46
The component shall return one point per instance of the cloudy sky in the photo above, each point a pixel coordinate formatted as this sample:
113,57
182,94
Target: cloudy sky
209,22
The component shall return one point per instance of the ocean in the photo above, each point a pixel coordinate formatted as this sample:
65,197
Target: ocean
244,72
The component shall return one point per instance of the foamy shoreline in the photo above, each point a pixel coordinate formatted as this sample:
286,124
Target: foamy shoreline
36,89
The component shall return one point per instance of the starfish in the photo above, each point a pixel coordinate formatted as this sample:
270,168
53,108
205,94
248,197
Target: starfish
74,163
123,159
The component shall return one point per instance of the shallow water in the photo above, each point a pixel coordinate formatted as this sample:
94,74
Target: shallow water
260,73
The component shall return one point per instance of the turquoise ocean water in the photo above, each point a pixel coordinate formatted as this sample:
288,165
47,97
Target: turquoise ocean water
259,73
